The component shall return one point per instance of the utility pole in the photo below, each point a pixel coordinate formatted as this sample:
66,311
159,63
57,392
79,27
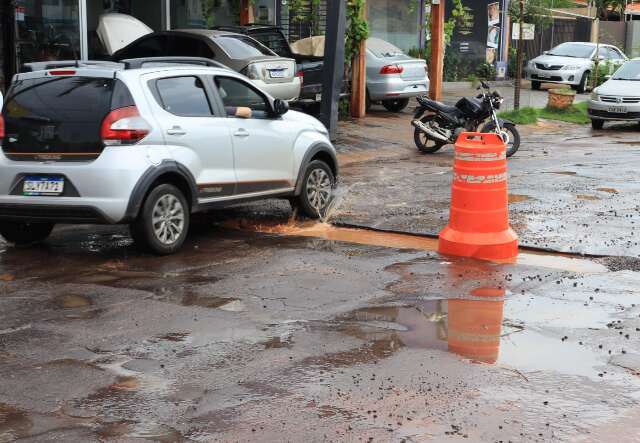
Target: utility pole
436,67
518,85
333,65
359,78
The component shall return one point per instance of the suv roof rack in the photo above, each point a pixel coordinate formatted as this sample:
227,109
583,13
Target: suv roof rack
44,66
132,63
137,63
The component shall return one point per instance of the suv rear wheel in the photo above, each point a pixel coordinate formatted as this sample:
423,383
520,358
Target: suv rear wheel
163,222
317,190
21,233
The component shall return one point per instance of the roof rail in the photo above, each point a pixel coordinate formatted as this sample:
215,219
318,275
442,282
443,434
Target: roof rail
137,63
44,66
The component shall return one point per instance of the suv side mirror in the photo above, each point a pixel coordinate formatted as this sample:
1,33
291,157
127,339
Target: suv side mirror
280,107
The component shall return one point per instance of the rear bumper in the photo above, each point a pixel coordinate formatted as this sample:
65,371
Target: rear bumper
101,188
288,91
395,87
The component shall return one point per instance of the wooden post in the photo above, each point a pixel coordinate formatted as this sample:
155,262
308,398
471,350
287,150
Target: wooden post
518,85
436,66
359,79
246,12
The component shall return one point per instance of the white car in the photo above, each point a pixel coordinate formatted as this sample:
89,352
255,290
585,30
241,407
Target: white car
111,143
571,63
617,99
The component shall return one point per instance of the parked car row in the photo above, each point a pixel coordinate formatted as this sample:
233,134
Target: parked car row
264,55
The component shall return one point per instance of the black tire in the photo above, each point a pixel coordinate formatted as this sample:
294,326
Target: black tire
512,131
367,103
582,87
535,85
23,233
167,203
395,105
597,124
424,143
316,194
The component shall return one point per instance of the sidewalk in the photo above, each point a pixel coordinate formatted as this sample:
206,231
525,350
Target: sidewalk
453,91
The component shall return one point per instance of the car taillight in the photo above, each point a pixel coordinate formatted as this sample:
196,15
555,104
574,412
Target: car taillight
391,69
124,126
300,75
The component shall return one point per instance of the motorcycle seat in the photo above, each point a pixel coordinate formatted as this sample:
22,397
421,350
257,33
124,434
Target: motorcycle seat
439,106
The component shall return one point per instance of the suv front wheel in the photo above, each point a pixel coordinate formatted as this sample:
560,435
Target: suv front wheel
317,190
163,222
20,233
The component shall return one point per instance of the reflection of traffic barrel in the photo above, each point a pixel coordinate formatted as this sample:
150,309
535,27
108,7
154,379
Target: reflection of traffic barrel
475,325
479,218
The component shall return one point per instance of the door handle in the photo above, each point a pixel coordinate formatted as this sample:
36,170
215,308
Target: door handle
176,130
241,133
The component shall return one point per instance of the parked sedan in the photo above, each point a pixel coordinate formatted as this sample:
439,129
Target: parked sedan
270,72
571,63
392,76
617,99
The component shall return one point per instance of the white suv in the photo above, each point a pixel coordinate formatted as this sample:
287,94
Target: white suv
147,142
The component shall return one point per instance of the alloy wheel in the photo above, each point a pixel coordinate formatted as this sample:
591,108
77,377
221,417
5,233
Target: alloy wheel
168,219
318,189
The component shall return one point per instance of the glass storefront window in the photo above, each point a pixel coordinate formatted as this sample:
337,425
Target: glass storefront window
47,30
147,11
210,13
395,21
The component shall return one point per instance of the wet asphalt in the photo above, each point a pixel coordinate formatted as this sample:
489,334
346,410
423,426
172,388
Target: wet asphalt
258,334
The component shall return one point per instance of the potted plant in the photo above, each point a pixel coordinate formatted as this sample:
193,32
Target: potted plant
561,98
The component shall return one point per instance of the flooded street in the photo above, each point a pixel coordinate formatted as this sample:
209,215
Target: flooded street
268,329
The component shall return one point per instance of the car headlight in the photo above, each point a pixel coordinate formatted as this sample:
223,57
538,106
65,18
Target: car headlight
572,67
253,72
595,96
531,64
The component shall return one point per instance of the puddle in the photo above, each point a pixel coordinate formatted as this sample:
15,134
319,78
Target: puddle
72,301
175,336
517,198
562,172
14,423
327,231
205,301
125,430
609,190
474,329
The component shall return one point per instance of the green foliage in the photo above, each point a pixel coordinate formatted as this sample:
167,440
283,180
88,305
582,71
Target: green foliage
526,116
563,91
357,28
537,11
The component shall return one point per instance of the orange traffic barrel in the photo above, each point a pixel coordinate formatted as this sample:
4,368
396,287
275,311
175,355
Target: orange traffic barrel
479,218
475,326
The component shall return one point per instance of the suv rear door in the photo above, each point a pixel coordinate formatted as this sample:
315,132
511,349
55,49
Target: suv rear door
196,136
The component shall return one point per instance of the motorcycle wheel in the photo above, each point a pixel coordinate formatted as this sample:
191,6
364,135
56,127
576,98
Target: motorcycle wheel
424,143
512,134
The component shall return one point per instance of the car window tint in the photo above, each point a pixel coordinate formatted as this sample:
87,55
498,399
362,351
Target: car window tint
182,46
242,47
614,54
184,96
603,52
274,41
153,46
236,93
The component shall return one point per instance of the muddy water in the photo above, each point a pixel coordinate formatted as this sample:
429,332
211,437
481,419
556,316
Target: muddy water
409,241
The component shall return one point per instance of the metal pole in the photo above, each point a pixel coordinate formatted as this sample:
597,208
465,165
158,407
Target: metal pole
333,65
436,66
518,85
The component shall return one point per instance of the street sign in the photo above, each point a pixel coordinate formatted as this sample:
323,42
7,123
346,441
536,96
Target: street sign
529,31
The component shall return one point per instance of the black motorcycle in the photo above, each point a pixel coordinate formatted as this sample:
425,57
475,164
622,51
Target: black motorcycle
437,124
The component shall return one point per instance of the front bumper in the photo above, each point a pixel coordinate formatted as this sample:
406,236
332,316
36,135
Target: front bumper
561,76
95,192
288,91
599,110
393,88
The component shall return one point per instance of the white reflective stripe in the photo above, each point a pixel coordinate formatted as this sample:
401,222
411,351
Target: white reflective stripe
481,157
482,179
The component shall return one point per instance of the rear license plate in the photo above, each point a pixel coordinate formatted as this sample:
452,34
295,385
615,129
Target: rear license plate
276,73
47,186
618,109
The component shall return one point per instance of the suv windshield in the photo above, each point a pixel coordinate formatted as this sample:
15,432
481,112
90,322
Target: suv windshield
628,71
576,50
382,49
59,115
242,47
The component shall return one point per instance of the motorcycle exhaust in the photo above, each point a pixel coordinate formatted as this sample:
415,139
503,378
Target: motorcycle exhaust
430,132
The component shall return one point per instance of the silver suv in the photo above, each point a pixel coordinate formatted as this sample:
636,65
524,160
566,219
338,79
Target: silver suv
148,142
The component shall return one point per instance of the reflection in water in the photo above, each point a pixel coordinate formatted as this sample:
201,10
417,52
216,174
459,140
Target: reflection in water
467,327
